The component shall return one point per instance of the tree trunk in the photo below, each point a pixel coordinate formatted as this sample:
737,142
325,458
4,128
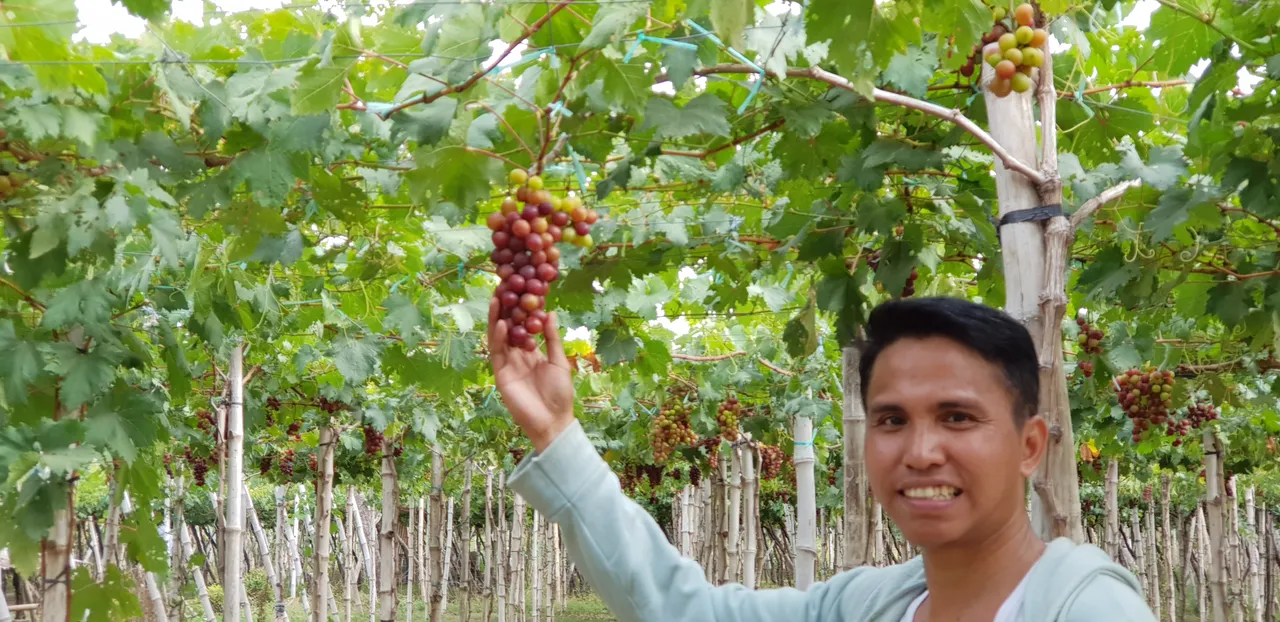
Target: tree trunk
448,553
387,573
806,503
729,574
1153,560
202,591
436,533
154,594
877,536
1235,566
535,541
292,535
1252,576
55,548
411,558
424,557
353,555
323,519
1214,511
1112,506
749,515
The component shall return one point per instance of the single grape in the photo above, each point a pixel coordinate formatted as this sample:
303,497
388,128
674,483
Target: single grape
528,272
553,255
538,258
548,273
557,233
503,256
521,229
1001,87
1025,14
517,244
535,183
1006,69
546,208
509,299
518,284
1013,54
568,236
559,219
501,239
505,270
1024,34
509,205
1039,37
518,333
530,212
539,224
519,260
496,221
1008,41
533,325
529,302
999,13
534,243
1022,84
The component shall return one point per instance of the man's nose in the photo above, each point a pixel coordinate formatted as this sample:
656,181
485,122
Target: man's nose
924,447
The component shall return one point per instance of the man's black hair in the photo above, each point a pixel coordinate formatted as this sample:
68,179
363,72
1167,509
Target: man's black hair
992,333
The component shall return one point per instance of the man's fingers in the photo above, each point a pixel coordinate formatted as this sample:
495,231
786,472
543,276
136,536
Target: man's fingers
497,337
555,347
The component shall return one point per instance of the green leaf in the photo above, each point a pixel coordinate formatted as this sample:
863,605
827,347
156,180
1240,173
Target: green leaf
104,601
730,17
268,174
704,114
775,297
912,70
20,365
800,334
425,124
1163,168
84,375
144,542
844,24
680,63
1174,208
454,174
356,359
1230,302
403,317
645,296
1107,273
146,9
819,245
338,197
86,303
610,21
615,346
1184,41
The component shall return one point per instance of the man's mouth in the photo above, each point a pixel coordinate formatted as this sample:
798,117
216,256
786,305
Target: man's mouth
931,493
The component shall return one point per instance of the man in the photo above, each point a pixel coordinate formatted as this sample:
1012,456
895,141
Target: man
951,392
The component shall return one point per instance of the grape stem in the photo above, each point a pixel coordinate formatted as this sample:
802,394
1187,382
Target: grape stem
1091,206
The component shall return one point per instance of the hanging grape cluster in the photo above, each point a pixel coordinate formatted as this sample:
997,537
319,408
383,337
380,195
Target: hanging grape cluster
676,474
629,479
314,462
671,430
909,289
654,473
264,464
695,476
199,467
295,430
1090,341
330,406
1147,495
1145,396
525,252
727,418
771,461
286,463
273,406
1201,413
372,441
204,421
1014,54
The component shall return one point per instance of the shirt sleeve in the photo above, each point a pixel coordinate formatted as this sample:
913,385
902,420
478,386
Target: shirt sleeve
626,557
1106,597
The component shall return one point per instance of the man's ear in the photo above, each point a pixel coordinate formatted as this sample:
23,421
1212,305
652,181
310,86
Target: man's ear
1035,441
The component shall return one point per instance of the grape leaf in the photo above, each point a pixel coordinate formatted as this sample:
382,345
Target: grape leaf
615,346
425,124
912,70
20,365
111,599
775,297
730,17
610,21
1230,302
1163,168
1174,208
455,174
403,317
704,114
356,359
1183,41
84,375
86,302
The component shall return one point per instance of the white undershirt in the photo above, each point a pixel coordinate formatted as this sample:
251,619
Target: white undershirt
1008,611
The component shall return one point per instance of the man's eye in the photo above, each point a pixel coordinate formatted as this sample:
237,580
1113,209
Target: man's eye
958,417
893,420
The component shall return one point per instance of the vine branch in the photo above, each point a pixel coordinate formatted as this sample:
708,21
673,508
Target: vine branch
484,70
1091,206
23,293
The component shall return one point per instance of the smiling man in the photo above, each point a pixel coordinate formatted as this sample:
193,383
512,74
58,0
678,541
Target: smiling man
951,391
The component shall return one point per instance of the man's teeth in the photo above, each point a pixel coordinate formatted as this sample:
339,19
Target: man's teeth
939,493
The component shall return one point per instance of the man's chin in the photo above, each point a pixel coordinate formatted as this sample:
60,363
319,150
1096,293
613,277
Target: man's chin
926,537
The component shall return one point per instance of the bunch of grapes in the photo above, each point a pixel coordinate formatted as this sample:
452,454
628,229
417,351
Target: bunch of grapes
286,463
264,465
329,406
168,460
517,454
295,430
771,461
397,451
909,289
1016,54
670,430
1090,339
1201,413
525,251
727,419
372,441
676,474
695,476
204,421
313,461
1145,396
273,406
1147,495
199,468
629,479
654,473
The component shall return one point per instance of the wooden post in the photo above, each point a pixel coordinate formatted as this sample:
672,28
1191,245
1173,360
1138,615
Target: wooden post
464,539
729,574
323,519
233,574
749,515
435,532
806,503
1214,503
1112,506
264,551
500,550
1171,590
856,525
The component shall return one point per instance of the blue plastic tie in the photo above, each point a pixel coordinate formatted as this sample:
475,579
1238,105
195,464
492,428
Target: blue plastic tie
462,270
579,171
755,89
532,56
398,283
558,108
641,38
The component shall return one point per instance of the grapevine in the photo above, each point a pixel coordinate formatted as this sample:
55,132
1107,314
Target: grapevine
525,252
372,441
771,461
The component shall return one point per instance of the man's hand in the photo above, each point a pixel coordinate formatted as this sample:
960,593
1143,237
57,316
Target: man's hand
537,388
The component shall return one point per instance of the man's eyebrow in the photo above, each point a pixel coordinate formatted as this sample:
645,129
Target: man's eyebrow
890,407
959,403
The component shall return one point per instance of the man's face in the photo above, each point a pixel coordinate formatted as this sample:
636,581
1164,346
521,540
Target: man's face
945,456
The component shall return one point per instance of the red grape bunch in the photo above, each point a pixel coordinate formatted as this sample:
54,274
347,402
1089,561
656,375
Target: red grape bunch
273,406
695,475
670,430
771,460
204,421
199,467
313,461
1145,396
1147,495
264,464
727,419
329,406
525,251
286,463
295,430
1090,341
654,473
1016,54
909,289
372,441
1201,413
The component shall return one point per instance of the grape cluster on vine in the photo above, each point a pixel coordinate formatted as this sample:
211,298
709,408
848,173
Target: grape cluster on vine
671,430
1014,54
526,255
676,474
727,418
286,463
273,406
517,454
313,461
295,430
695,476
205,421
1147,495
372,441
1145,396
330,406
771,461
909,289
199,466
1201,413
654,473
